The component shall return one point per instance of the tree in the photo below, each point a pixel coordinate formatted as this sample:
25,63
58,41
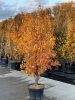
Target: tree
3,38
38,43
61,13
6,26
0,38
68,49
11,43
19,24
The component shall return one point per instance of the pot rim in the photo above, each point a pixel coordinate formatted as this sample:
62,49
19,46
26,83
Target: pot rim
42,86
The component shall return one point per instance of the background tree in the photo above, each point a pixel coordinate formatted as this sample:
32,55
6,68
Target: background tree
3,37
61,12
0,38
68,49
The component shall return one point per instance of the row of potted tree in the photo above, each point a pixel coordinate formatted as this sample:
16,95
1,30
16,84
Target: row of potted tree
15,32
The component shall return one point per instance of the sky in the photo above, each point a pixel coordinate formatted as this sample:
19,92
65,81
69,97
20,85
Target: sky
10,8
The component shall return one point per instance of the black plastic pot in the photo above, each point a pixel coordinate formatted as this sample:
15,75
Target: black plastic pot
69,69
0,59
13,64
18,65
4,61
46,73
36,93
73,67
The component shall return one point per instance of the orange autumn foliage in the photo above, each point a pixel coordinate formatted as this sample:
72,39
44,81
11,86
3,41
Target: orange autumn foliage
38,43
68,49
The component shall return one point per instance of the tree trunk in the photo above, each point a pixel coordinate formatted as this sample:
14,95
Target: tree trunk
37,79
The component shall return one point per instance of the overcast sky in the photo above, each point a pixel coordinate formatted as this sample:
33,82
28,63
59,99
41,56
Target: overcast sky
12,7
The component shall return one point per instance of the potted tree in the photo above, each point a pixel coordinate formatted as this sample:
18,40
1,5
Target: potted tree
5,39
7,42
38,43
4,59
12,45
15,52
68,48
